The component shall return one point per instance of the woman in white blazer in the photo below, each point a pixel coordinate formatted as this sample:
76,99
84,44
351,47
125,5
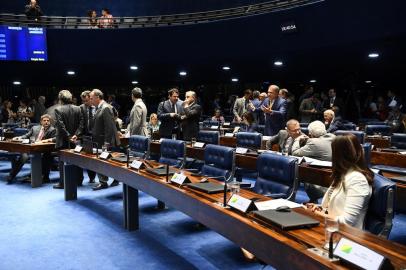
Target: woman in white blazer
347,199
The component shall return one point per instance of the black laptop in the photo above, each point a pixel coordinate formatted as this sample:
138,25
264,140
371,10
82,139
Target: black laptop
160,171
207,187
123,158
286,220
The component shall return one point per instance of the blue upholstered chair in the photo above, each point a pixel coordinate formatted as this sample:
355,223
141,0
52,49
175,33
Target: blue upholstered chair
379,123
277,176
20,131
173,152
218,161
360,134
139,146
209,137
305,130
367,152
349,126
398,140
249,140
9,126
382,129
260,129
209,123
381,207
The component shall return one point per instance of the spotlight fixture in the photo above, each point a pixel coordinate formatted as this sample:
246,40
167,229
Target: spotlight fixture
234,79
373,55
226,68
17,83
133,67
70,72
278,63
312,81
134,82
183,73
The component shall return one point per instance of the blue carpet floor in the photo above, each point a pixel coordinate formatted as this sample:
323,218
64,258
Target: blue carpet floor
39,230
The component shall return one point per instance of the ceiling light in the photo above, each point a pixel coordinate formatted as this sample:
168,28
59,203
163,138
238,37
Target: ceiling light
134,82
70,72
373,55
16,83
226,68
313,81
368,81
278,63
133,67
182,73
234,79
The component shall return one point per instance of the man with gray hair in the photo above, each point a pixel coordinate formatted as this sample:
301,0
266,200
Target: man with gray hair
318,146
332,122
68,124
138,115
286,137
190,116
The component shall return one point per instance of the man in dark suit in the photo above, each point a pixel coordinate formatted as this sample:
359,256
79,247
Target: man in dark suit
169,112
332,122
68,124
333,101
275,111
87,111
104,130
190,118
41,133
285,137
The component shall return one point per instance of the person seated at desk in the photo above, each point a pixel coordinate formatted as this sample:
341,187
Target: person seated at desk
40,133
318,146
331,121
248,123
347,199
153,124
218,117
285,137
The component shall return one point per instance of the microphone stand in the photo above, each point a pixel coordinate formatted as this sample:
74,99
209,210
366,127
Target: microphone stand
128,157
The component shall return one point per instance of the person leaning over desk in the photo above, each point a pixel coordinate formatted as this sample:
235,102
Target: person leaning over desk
347,199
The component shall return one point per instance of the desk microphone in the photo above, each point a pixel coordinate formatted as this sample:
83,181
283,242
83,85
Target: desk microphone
330,245
167,173
128,157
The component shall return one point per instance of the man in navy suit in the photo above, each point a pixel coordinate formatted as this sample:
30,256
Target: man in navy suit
169,113
274,109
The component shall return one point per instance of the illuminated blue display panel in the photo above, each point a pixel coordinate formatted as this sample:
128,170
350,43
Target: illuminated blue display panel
23,43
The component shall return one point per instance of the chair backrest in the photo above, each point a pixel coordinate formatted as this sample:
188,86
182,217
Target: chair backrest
219,161
379,123
260,129
20,131
249,139
349,126
382,129
305,130
398,140
208,136
139,146
173,152
209,123
367,153
381,207
360,134
277,176
304,124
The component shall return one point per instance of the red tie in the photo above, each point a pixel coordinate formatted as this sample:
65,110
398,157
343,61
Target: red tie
41,134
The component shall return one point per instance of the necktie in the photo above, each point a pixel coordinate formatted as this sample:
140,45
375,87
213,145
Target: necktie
40,135
271,104
175,110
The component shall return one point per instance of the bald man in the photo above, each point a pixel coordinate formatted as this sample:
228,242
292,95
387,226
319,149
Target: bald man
331,121
274,109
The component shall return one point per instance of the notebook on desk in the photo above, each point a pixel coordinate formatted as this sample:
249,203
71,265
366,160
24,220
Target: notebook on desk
286,220
207,187
160,171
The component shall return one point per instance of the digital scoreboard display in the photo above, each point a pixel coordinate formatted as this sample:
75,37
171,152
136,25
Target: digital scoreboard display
23,43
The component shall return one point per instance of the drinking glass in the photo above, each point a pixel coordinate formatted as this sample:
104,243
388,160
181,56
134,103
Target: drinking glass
105,147
193,142
330,226
234,187
173,136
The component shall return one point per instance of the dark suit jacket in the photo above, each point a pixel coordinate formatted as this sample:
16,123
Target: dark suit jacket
190,125
104,128
68,122
336,124
275,121
168,123
84,129
34,132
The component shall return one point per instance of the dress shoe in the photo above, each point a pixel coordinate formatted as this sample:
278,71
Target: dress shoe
114,183
58,186
46,180
9,180
91,181
100,186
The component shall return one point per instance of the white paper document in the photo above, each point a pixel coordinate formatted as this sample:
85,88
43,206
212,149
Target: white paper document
273,204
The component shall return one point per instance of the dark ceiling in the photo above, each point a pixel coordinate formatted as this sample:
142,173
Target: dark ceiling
331,46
